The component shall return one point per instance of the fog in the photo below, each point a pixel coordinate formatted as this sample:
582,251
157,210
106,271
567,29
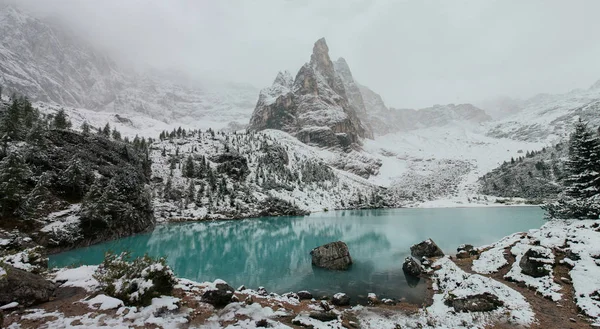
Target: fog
414,53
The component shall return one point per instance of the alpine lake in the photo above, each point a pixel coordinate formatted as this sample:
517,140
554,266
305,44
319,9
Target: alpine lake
274,252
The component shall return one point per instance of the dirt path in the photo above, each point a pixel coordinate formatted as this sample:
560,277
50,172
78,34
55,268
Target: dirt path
549,314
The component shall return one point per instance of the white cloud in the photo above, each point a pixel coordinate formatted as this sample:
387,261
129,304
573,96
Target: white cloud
415,53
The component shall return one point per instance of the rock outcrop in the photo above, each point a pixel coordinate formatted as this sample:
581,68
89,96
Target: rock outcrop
23,287
427,248
314,106
412,267
333,256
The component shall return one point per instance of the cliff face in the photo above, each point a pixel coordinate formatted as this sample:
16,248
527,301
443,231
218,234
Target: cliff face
314,106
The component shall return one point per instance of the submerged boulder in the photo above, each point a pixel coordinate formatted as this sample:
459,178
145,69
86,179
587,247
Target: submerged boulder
535,262
333,256
412,267
219,295
476,303
427,248
23,287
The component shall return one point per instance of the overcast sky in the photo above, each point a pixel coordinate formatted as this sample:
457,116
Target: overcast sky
414,53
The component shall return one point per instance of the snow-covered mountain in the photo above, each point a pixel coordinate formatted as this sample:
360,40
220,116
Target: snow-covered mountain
550,118
47,63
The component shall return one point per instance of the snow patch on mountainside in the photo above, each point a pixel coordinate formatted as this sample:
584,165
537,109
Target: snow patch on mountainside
441,162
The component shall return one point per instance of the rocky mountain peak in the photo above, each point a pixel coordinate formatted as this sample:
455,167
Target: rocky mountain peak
315,108
284,79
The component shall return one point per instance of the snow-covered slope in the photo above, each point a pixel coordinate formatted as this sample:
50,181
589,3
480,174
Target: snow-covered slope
246,169
441,162
550,118
47,63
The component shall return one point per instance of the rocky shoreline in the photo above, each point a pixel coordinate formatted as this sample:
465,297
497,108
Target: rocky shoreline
539,279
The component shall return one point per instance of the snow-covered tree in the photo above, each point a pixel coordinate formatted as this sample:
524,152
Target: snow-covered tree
61,121
14,173
581,198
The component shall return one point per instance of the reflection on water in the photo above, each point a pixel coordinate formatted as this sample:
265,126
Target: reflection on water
274,252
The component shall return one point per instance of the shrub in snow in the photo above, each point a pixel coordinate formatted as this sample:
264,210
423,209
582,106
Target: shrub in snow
135,281
30,260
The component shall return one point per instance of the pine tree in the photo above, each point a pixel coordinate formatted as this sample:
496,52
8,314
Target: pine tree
190,194
106,130
116,135
61,121
85,128
14,173
581,197
10,126
188,170
583,166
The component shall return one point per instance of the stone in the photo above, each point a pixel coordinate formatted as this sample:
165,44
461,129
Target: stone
466,251
304,295
333,256
323,316
372,299
262,323
219,296
23,287
388,301
412,267
427,248
534,263
262,291
463,254
476,303
340,299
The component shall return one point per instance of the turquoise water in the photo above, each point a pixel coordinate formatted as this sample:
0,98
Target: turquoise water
274,252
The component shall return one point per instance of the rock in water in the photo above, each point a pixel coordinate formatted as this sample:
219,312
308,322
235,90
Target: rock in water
465,251
340,299
220,295
333,256
477,303
427,248
23,287
412,267
534,262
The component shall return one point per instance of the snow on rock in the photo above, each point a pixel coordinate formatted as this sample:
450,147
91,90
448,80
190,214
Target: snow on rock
103,302
545,285
82,277
450,282
492,259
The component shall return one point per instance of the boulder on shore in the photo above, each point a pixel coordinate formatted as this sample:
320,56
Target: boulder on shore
477,303
218,296
465,251
23,287
340,299
412,267
333,256
534,261
427,248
